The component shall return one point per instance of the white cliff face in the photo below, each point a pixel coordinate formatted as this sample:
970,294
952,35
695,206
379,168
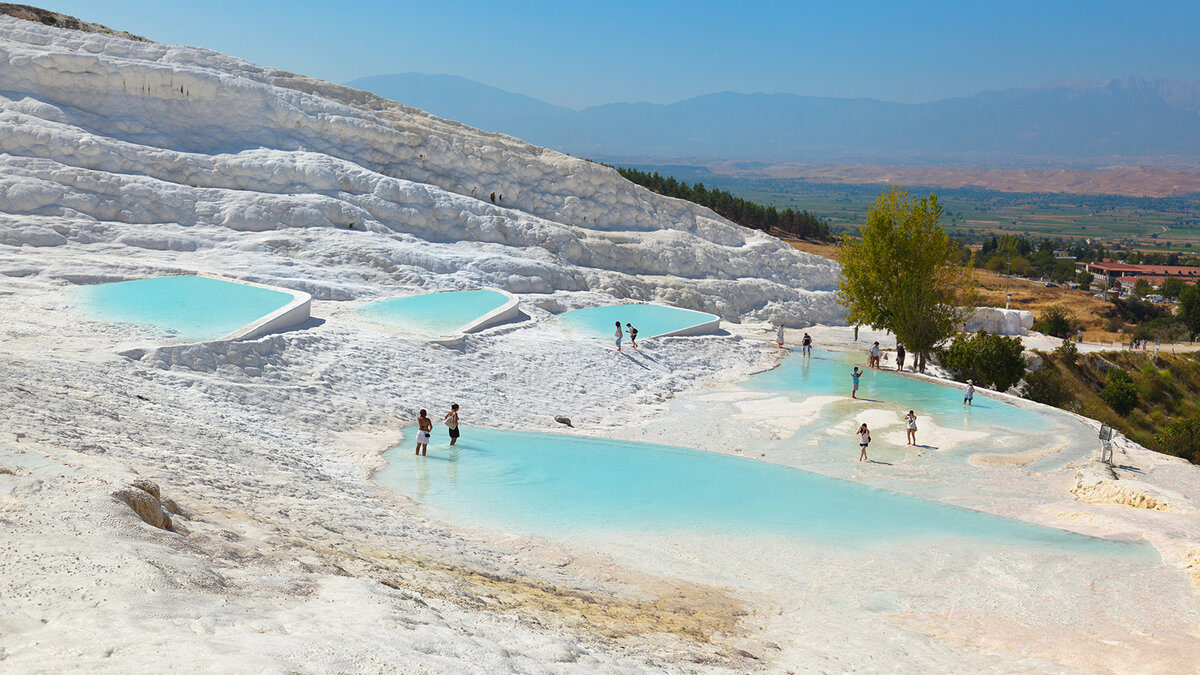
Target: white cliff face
144,148
1000,321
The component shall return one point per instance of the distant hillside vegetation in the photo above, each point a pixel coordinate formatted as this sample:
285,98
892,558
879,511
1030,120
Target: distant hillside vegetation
1153,401
799,224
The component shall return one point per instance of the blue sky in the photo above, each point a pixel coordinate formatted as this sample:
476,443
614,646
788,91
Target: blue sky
579,54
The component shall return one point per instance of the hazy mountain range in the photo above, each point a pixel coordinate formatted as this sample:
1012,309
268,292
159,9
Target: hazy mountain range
1064,122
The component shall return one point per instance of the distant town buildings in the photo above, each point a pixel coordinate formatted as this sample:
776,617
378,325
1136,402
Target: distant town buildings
1110,273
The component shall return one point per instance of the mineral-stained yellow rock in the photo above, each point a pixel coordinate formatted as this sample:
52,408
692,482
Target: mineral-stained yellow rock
146,505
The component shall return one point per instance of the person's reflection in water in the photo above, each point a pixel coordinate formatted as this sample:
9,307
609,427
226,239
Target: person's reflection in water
452,466
423,483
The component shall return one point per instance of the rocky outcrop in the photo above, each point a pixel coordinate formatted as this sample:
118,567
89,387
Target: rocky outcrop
1096,483
144,498
999,321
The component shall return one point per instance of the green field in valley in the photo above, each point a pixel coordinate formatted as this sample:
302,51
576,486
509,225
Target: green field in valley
971,214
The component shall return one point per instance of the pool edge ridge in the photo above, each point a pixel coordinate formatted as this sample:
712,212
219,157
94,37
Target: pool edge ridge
511,309
293,313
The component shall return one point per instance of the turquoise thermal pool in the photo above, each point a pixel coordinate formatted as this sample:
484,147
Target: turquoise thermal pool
649,320
828,374
188,308
565,486
435,314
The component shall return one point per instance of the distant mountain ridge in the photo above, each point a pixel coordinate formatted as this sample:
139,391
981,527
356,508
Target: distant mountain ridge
1063,122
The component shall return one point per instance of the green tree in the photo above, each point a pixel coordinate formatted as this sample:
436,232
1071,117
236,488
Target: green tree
902,275
1022,267
992,361
1085,280
1189,309
1142,288
1119,393
1181,438
1068,352
1046,385
1054,321
1171,287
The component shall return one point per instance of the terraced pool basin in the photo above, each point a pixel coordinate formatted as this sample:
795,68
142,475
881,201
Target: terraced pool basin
650,320
441,314
195,308
828,374
558,485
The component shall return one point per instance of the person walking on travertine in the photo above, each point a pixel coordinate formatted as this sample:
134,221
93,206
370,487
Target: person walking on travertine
864,439
452,423
900,357
873,356
632,335
619,335
910,421
779,335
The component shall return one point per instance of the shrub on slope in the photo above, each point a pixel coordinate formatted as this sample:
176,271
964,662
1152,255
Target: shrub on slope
1153,401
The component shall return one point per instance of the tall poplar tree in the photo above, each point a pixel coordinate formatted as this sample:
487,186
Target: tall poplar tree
902,274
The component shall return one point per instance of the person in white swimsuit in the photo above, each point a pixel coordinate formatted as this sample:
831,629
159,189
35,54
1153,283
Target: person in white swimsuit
424,426
911,420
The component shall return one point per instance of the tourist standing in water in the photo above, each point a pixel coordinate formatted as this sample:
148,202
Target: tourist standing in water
900,357
452,423
873,360
854,375
806,345
911,420
424,426
619,334
779,335
864,439
969,395
632,335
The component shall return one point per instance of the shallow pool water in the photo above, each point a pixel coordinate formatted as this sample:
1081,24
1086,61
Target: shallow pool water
649,320
828,373
184,307
435,314
565,486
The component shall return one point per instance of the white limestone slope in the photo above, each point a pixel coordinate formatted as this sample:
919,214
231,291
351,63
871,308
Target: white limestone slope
121,159
137,147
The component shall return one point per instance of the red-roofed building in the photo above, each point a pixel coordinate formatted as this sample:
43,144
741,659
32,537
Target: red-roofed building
1107,271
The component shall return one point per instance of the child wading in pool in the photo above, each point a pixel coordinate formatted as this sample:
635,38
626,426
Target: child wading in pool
452,423
969,395
911,420
632,335
864,439
620,333
424,426
854,378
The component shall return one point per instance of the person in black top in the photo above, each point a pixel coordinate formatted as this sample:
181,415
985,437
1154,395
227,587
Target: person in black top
806,345
632,336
